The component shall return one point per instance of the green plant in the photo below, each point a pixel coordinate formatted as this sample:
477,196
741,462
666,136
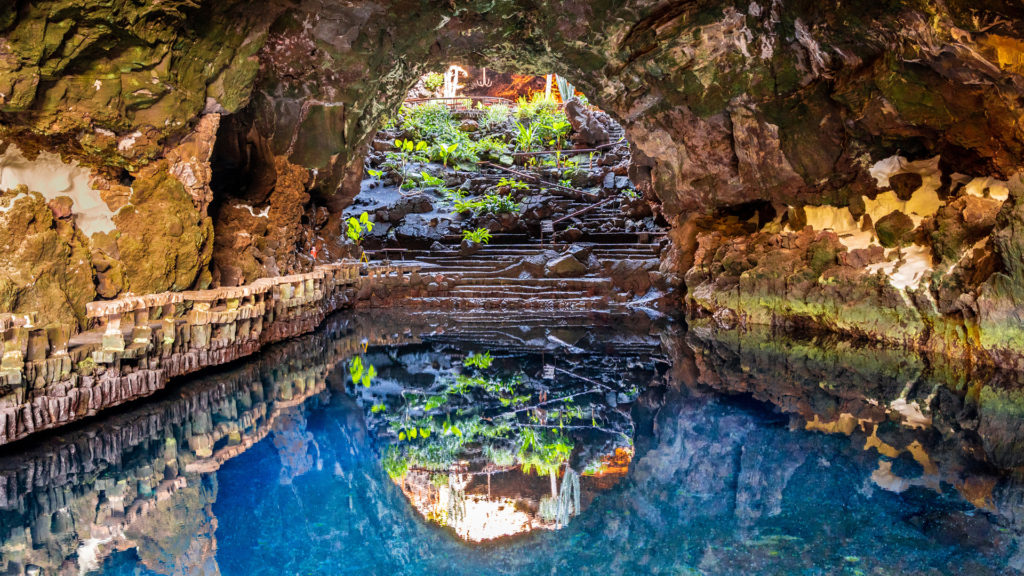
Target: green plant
434,402
445,151
525,136
454,196
536,107
565,88
358,227
407,150
543,452
430,121
489,204
492,148
433,81
495,115
375,174
553,130
481,361
501,457
430,180
480,235
512,184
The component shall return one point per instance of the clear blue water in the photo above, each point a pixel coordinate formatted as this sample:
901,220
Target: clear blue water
719,484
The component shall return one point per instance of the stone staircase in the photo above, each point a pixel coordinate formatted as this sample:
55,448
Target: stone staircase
514,271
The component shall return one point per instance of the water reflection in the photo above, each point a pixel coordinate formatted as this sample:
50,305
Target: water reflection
498,444
717,453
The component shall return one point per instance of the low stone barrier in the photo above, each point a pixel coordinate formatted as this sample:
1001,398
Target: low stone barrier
50,376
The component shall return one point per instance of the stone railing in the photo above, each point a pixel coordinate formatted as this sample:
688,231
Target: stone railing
135,344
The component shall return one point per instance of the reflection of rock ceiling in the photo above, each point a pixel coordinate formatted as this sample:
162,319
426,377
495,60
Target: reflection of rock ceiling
508,502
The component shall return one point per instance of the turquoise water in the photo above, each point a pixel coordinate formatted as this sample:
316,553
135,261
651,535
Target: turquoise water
718,483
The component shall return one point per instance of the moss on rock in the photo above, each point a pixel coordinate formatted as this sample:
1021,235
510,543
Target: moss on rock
162,241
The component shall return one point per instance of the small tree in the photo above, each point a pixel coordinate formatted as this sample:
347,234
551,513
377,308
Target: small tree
358,227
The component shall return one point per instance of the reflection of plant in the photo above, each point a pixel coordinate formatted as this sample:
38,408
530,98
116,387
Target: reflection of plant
595,467
481,361
474,412
434,402
479,236
501,457
358,227
360,374
543,452
396,463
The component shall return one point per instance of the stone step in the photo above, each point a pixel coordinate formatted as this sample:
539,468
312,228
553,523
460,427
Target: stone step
518,292
498,285
535,303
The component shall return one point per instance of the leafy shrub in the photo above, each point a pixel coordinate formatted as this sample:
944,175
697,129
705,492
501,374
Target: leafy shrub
512,183
480,236
430,121
489,204
433,81
526,135
430,180
451,154
358,227
490,147
553,130
537,107
495,115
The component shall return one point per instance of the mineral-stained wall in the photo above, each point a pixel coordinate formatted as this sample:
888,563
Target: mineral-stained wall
772,133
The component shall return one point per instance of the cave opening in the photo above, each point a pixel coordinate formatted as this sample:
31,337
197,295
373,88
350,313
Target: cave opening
513,184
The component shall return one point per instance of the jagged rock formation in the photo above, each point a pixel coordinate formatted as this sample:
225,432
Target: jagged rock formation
734,110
